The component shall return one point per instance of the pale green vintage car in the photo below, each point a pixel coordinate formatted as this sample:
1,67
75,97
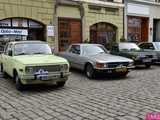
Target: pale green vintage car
32,62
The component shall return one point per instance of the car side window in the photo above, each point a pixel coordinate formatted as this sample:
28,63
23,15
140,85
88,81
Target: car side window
8,47
75,49
147,46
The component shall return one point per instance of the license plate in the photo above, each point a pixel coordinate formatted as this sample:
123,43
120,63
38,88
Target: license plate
123,69
40,77
147,60
44,78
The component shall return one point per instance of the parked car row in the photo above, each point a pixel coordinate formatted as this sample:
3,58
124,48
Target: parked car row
134,52
32,62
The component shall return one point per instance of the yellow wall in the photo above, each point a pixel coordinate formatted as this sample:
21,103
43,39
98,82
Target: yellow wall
93,17
68,11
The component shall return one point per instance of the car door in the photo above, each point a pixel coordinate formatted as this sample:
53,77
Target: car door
73,56
6,58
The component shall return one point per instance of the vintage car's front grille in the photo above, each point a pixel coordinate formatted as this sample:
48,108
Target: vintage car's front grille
116,64
49,68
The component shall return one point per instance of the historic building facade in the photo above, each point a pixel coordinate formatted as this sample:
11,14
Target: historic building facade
142,20
62,22
95,21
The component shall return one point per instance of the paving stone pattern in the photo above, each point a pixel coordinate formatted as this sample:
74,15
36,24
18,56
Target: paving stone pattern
83,99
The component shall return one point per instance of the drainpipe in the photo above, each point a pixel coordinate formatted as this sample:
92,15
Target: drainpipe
55,18
125,18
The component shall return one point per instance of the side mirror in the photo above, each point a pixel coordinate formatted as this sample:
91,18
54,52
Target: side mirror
10,53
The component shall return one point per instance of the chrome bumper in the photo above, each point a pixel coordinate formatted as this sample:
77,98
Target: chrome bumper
51,78
131,67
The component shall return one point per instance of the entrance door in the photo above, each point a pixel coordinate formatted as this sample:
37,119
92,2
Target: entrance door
103,33
69,32
138,29
156,30
144,29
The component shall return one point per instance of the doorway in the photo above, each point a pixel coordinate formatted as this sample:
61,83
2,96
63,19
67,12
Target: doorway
70,32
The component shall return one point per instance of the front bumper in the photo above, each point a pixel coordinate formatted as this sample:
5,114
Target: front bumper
117,70
145,61
52,78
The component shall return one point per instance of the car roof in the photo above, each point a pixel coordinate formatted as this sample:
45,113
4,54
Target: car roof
149,42
31,41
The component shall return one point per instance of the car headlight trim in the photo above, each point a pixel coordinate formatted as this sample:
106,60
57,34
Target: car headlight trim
29,69
64,67
101,65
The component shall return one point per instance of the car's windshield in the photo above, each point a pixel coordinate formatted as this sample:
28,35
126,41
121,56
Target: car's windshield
128,46
157,45
93,50
31,48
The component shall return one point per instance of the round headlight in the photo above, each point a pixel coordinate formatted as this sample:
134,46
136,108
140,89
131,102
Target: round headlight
29,69
64,67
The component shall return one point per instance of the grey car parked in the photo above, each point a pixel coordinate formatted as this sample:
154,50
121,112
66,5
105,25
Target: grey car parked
151,46
94,58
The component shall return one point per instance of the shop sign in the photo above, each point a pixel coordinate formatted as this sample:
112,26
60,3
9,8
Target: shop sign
5,23
138,9
19,23
4,31
50,31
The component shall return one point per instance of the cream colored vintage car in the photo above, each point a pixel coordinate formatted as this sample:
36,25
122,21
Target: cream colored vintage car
32,62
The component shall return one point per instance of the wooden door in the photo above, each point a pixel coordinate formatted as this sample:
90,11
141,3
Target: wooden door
69,31
144,30
75,31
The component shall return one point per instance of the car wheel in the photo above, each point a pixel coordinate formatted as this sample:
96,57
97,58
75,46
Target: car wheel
148,66
19,85
61,84
90,73
3,72
1,68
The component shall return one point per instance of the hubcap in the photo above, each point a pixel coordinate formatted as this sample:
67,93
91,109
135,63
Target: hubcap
89,71
17,79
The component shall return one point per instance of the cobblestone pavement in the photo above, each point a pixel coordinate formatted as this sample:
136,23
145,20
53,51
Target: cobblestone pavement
83,99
